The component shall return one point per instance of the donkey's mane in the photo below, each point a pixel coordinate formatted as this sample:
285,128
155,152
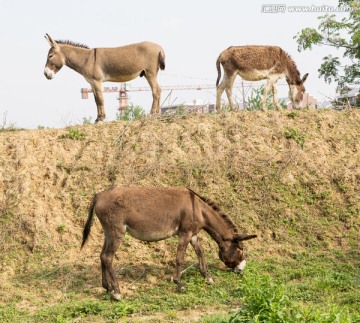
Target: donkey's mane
216,208
71,43
292,68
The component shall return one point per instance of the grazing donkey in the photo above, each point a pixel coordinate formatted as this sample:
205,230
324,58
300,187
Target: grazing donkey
97,65
254,63
152,214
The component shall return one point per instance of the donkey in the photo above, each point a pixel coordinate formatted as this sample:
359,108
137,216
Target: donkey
153,214
97,65
254,63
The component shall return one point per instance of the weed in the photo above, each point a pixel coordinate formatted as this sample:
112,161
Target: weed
292,114
61,228
87,120
255,100
299,138
74,134
133,112
264,300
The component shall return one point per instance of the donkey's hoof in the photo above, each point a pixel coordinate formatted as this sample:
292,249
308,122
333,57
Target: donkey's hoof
180,289
115,296
209,280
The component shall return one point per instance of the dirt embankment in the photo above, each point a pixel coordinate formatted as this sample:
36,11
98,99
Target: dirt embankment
291,177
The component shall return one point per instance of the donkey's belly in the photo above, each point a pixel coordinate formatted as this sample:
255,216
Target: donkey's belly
254,75
118,77
148,234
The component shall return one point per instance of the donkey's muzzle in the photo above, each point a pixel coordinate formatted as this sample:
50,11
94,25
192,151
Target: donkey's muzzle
49,74
240,267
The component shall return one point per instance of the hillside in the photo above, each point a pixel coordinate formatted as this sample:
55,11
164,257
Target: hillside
292,178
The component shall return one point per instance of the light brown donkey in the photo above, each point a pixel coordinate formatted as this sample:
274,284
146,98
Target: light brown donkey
97,65
254,63
152,214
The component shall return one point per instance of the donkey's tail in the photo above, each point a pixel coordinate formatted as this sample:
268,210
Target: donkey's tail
161,59
218,61
89,221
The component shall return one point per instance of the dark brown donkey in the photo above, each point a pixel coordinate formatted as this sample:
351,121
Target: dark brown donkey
152,214
97,65
255,63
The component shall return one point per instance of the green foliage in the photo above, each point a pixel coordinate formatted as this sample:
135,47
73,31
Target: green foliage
265,300
87,120
84,309
255,100
61,228
291,133
133,112
343,34
74,134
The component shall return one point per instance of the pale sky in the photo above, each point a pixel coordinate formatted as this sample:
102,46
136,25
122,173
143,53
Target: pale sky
192,33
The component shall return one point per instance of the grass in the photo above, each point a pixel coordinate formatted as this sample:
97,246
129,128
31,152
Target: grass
310,287
298,137
74,134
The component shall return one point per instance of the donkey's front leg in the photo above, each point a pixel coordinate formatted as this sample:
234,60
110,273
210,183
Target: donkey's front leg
275,98
99,99
202,264
184,239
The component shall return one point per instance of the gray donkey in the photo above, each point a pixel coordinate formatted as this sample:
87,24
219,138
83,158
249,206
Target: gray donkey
118,64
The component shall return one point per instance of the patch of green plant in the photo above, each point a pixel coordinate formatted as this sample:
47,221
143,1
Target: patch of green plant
61,228
9,313
292,114
266,300
298,137
87,120
74,134
254,102
133,112
81,309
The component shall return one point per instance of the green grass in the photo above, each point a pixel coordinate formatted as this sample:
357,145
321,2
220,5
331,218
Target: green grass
74,134
309,287
298,137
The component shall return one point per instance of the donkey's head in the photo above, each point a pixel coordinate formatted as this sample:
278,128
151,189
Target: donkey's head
55,59
296,91
232,251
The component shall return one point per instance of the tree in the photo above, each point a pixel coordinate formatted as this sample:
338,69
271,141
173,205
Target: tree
343,34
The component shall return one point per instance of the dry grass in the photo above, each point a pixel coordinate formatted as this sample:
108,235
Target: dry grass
291,177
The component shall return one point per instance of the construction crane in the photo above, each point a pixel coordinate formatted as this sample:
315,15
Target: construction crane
123,91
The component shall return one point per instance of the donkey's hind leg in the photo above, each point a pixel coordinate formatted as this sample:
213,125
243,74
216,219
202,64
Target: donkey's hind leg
202,264
156,92
219,91
228,90
109,280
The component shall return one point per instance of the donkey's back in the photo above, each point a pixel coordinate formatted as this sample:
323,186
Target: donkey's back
120,64
148,214
252,62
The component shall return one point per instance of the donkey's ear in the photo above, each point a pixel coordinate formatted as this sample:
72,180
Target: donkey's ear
243,237
304,78
51,42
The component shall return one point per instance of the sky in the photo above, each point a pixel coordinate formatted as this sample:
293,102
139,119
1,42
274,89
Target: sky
192,33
